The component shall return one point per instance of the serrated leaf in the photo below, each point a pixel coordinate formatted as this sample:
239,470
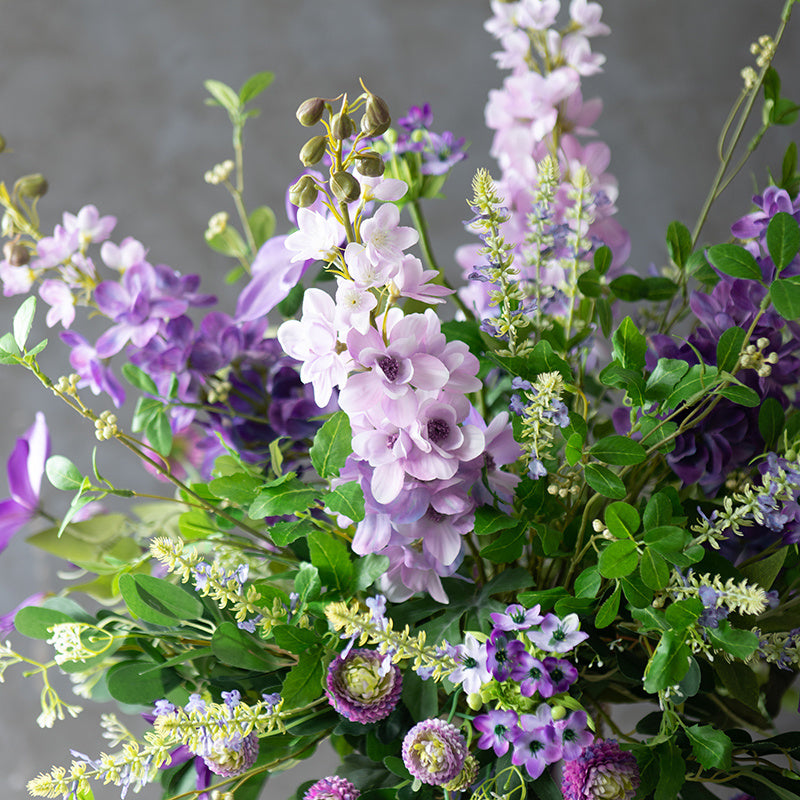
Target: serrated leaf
618,450
287,497
697,381
604,481
607,612
664,377
254,85
629,346
669,663
672,772
618,559
23,322
347,499
63,474
785,296
284,533
734,641
137,377
332,444
303,684
711,747
728,348
240,489
679,243
733,260
783,239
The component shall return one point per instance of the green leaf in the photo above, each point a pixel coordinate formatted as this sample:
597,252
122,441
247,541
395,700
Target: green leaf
785,296
587,584
9,352
489,520
135,683
287,497
283,533
711,747
679,243
33,622
784,112
682,614
237,648
658,289
224,95
195,524
637,594
629,287
607,612
347,499
663,378
783,239
262,224
303,684
602,259
295,640
159,433
240,488
604,481
653,569
157,601
764,571
733,260
332,444
741,395
137,377
734,641
672,772
669,663
771,419
772,84
728,348
657,512
507,546
63,474
618,559
697,381
254,85
739,680
618,450
331,557
23,322
622,520
368,569
544,359
605,317
228,242
573,449
629,345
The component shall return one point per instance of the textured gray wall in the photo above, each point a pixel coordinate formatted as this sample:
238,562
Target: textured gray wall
105,97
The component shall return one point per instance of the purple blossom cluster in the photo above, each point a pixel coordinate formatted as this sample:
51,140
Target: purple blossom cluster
434,751
438,152
419,448
600,772
540,110
729,438
332,788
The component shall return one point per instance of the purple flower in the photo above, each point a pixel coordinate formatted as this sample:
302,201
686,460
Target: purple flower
517,618
574,734
434,751
363,686
7,620
503,654
24,469
601,772
558,635
472,671
332,788
535,742
498,728
560,673
532,676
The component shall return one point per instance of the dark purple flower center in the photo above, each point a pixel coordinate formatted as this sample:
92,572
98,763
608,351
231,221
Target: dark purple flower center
433,515
559,635
556,674
390,440
535,746
469,662
534,673
569,734
438,430
390,367
500,731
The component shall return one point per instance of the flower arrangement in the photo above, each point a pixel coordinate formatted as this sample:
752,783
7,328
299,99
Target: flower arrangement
544,545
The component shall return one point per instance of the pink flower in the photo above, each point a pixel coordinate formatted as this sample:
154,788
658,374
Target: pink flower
62,304
123,256
384,238
91,227
318,236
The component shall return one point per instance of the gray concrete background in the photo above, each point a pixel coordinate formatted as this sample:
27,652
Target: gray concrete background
105,97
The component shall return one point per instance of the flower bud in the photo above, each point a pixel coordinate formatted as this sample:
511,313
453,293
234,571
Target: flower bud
559,712
304,192
342,126
345,187
376,119
474,700
16,254
32,186
313,150
310,111
370,164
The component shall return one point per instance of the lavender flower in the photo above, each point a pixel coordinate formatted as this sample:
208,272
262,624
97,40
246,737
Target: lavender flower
498,728
558,635
536,743
434,751
574,734
332,788
601,772
517,618
472,672
360,687
502,654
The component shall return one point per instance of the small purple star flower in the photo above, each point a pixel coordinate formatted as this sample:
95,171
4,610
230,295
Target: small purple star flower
560,673
532,676
558,635
536,743
498,729
574,734
517,618
502,654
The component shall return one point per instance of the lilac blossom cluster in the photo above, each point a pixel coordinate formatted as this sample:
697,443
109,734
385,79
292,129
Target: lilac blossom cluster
438,152
419,448
540,111
520,662
729,438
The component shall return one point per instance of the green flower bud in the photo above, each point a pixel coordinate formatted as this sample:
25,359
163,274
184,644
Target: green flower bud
342,126
345,187
32,186
559,712
369,163
313,150
304,192
16,254
376,119
310,111
474,701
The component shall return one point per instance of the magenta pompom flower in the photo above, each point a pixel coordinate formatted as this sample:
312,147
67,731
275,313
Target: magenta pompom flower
601,772
332,788
434,751
364,686
232,756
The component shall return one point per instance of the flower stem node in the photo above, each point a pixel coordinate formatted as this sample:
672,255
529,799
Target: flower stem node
304,192
310,111
313,150
345,187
